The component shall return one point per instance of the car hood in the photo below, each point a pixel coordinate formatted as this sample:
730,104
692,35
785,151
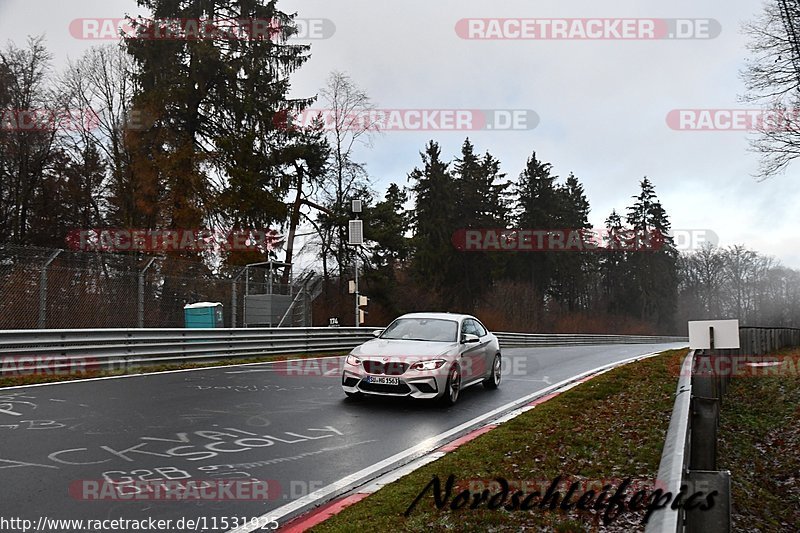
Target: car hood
402,349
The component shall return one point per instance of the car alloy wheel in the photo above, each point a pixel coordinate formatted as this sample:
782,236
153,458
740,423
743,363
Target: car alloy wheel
453,388
493,381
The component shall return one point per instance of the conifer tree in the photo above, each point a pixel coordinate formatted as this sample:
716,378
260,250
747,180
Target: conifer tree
434,221
653,270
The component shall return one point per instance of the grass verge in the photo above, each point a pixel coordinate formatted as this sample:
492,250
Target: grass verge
32,379
608,429
759,442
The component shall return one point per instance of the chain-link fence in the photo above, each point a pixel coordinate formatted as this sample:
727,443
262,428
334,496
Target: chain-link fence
55,289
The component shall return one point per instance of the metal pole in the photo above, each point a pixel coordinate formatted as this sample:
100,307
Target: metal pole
140,321
233,305
233,296
358,315
356,240
289,277
43,290
269,291
246,292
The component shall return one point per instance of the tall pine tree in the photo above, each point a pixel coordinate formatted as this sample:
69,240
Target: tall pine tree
216,104
538,208
573,268
653,272
434,221
387,225
614,278
479,204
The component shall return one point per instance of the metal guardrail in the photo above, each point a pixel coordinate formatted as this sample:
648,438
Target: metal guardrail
513,340
675,456
57,350
689,456
116,349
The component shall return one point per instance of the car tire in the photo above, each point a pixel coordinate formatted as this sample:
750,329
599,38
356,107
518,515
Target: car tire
493,381
453,388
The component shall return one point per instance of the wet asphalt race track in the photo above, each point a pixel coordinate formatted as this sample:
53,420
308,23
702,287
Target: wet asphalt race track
63,446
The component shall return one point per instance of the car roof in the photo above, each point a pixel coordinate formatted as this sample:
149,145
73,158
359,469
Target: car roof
445,316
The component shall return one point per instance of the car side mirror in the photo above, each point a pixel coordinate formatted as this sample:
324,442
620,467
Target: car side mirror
377,333
469,338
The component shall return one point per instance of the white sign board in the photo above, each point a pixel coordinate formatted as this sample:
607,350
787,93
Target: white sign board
726,334
356,232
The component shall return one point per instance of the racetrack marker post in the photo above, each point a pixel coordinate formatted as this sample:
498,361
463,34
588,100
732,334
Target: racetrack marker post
356,238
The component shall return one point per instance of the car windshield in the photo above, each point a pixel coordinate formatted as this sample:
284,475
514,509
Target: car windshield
422,329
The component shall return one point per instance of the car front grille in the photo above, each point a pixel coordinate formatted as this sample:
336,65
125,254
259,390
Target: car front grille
386,369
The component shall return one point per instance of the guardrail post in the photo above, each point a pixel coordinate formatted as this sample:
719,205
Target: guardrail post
724,378
705,415
718,517
703,376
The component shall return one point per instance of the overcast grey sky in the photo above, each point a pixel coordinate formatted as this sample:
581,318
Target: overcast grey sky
602,104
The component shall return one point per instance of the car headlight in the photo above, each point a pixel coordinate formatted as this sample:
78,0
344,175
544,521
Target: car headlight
428,365
352,360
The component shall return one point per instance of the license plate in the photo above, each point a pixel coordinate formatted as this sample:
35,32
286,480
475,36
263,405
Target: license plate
383,380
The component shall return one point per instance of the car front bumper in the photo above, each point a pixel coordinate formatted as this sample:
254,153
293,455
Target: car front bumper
425,385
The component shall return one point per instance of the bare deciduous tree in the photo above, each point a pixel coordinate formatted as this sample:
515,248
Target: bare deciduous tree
772,80
99,86
27,134
736,282
351,120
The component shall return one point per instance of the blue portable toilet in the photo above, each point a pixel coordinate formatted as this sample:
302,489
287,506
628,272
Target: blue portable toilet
203,315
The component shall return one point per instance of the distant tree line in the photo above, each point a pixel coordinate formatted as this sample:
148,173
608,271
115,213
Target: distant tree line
414,265
599,290
738,283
